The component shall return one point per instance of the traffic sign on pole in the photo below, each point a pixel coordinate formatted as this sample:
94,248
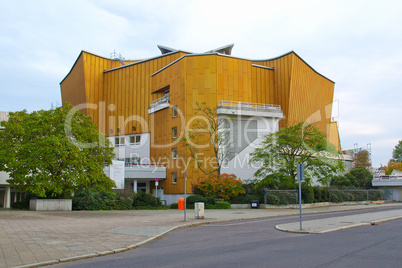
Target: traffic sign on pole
300,178
156,187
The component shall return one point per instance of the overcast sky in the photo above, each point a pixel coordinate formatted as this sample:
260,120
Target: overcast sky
357,44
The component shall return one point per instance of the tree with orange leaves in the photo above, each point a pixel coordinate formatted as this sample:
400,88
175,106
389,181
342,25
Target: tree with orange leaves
226,186
391,166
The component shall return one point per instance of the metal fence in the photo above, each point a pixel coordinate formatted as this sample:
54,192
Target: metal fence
288,197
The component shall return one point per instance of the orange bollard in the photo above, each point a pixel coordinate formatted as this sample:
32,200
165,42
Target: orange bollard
181,203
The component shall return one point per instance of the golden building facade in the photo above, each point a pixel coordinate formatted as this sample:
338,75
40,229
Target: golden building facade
158,97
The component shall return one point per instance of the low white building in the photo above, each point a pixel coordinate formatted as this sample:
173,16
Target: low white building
248,123
139,170
391,182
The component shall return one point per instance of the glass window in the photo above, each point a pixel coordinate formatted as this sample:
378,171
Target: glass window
174,177
132,161
119,141
135,140
174,112
174,153
174,132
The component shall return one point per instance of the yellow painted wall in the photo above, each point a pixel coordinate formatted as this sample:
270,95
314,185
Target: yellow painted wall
125,95
84,83
73,86
304,95
334,135
191,80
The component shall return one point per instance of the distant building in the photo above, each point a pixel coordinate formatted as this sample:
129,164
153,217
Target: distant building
391,182
146,106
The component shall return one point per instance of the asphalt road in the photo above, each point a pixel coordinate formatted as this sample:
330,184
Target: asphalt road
255,243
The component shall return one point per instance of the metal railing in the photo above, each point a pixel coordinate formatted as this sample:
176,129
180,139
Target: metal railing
164,99
248,105
387,177
143,165
290,197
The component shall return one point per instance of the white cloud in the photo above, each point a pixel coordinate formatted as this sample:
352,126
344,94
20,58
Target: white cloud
352,42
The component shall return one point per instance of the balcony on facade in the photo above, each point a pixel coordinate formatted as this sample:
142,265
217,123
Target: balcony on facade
387,180
159,104
249,109
141,171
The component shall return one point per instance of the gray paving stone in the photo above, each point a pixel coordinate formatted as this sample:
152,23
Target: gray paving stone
29,237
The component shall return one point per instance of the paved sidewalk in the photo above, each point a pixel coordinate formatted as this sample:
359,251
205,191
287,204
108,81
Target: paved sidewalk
339,223
35,238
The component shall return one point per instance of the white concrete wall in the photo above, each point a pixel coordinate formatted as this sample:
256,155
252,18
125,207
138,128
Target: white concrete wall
3,178
143,150
172,198
50,204
239,165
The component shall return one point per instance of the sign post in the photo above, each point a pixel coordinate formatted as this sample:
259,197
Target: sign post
300,177
185,194
156,187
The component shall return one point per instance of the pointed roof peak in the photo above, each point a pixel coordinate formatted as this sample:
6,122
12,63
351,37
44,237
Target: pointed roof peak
166,50
227,50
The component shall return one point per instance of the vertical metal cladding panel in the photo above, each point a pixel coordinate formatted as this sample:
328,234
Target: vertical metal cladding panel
282,76
201,87
235,80
84,83
129,91
73,86
162,123
311,96
93,70
334,136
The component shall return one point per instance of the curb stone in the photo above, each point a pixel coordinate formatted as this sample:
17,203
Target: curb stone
39,264
370,223
185,225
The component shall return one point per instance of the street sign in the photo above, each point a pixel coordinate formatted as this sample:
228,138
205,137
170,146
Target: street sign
300,178
156,186
300,172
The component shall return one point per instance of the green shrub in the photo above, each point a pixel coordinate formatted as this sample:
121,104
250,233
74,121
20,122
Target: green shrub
142,199
218,205
376,195
281,197
174,206
20,204
210,200
108,200
338,196
123,203
191,199
87,199
273,199
307,193
244,199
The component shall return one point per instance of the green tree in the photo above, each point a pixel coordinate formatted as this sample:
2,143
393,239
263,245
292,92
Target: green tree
208,132
356,178
302,143
397,152
54,153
